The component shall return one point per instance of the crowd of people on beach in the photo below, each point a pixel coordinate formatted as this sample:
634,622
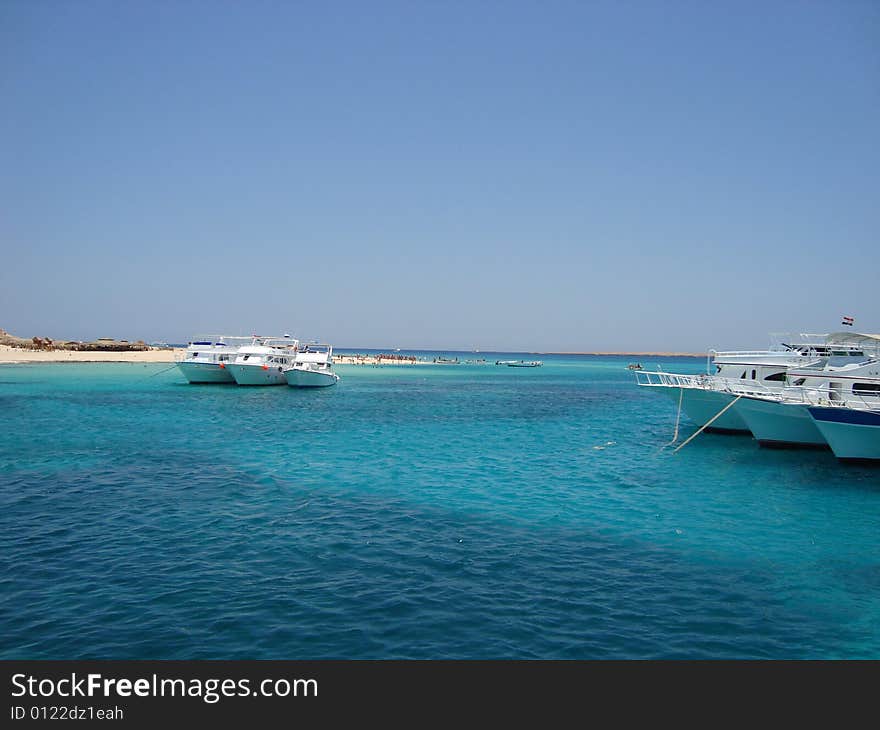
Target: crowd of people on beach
396,358
382,358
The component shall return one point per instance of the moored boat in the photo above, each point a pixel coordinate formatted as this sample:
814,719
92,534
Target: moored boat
702,398
852,433
312,368
708,399
264,362
777,423
783,420
207,358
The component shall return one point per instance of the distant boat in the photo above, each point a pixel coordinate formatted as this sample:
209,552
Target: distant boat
312,368
446,360
634,366
524,363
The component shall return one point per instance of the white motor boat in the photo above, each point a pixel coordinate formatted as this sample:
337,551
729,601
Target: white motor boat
852,432
777,422
783,419
264,362
708,398
207,358
312,367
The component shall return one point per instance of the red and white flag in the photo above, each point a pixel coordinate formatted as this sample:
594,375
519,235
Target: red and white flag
848,321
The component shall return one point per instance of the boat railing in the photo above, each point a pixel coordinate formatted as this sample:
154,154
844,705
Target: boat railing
266,341
824,395
868,400
661,379
852,348
740,386
314,354
702,381
750,353
214,340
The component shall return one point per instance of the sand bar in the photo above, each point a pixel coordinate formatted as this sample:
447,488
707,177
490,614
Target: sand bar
20,355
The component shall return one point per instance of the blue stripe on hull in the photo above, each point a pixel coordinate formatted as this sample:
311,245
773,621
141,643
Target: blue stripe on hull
845,415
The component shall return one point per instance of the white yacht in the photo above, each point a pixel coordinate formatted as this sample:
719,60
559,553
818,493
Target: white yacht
312,367
851,430
206,358
708,398
783,419
264,361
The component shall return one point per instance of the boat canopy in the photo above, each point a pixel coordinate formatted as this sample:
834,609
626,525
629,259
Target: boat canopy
860,339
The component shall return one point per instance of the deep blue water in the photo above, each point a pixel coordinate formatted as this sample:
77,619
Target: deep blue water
417,512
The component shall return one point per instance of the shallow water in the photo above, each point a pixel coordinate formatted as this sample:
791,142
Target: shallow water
417,512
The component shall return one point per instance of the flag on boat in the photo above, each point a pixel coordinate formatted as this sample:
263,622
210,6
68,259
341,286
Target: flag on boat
848,321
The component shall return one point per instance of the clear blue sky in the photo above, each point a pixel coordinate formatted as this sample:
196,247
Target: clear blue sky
500,175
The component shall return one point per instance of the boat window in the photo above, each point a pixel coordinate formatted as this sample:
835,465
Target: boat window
776,377
245,357
872,389
742,377
195,354
800,381
753,374
717,369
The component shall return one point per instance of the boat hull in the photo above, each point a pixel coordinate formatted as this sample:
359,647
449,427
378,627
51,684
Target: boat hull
299,378
851,434
205,372
257,374
701,405
780,425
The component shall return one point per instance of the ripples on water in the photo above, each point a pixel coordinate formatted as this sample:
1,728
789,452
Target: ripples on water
418,512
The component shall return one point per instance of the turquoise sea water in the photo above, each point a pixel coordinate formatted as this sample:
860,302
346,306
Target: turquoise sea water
417,512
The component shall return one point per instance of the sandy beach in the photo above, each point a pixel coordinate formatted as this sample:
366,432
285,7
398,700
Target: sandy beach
10,355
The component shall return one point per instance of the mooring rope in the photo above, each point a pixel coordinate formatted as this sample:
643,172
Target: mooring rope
707,424
161,371
677,418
